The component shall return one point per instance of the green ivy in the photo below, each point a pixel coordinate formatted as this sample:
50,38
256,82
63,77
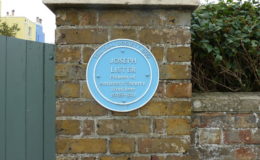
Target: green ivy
226,46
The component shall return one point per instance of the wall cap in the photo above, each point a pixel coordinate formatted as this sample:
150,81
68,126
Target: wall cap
156,3
242,102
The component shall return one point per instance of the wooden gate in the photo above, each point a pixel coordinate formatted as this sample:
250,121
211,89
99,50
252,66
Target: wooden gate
27,100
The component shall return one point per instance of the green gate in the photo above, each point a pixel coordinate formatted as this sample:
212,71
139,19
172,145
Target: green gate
27,100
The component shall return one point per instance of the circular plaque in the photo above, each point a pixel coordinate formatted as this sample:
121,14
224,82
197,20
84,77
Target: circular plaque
122,75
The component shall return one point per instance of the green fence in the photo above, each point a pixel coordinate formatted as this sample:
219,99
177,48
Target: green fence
27,100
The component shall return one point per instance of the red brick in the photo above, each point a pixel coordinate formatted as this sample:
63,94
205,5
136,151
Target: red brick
178,90
237,136
160,90
244,154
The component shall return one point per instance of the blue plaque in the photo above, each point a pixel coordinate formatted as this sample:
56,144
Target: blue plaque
122,75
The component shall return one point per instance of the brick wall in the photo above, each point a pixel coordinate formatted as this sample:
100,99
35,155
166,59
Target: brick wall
226,126
158,131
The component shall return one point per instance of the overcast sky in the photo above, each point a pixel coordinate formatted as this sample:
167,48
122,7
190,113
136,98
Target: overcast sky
32,9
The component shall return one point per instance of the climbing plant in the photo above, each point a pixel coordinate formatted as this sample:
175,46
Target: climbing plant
226,46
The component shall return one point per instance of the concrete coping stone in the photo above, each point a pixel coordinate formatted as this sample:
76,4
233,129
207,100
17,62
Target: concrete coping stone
241,102
122,3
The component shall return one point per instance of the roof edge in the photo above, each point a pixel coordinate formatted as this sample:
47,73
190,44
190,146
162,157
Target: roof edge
52,4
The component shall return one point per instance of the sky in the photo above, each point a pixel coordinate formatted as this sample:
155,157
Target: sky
32,9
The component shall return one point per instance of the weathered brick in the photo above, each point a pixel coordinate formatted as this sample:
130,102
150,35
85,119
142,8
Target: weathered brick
160,90
131,114
178,90
88,127
70,72
212,120
125,158
172,17
67,54
67,127
245,121
214,152
163,145
255,137
151,17
233,136
67,90
244,154
154,157
158,53
180,108
81,146
81,36
87,53
68,158
88,158
172,71
183,36
163,36
127,126
152,36
77,108
178,126
159,126
179,54
258,123
122,145
180,158
77,17
123,33
209,136
122,17
84,92
166,108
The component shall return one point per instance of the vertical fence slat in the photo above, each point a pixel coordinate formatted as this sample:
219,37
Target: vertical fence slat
2,95
34,115
49,103
15,100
